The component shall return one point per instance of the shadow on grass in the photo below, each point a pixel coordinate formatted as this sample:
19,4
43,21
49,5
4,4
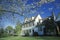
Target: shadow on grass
31,38
48,37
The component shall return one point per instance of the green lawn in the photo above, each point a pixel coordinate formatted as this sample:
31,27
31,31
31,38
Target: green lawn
30,38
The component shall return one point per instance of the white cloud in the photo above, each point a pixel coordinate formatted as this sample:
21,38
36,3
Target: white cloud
32,12
50,9
42,12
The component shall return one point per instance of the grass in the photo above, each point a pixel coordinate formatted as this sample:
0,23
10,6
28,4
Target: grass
30,38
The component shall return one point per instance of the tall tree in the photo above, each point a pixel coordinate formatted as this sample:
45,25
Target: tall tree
18,27
1,32
9,30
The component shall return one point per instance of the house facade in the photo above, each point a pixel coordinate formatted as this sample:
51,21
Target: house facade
37,26
30,26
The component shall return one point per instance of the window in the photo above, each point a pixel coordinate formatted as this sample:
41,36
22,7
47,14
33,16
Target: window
40,28
30,30
33,23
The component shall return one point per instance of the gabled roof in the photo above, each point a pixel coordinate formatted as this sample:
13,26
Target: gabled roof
31,19
37,16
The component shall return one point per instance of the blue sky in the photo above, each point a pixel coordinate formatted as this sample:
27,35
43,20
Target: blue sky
44,10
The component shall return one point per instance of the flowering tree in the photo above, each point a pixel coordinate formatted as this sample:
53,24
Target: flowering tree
20,7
